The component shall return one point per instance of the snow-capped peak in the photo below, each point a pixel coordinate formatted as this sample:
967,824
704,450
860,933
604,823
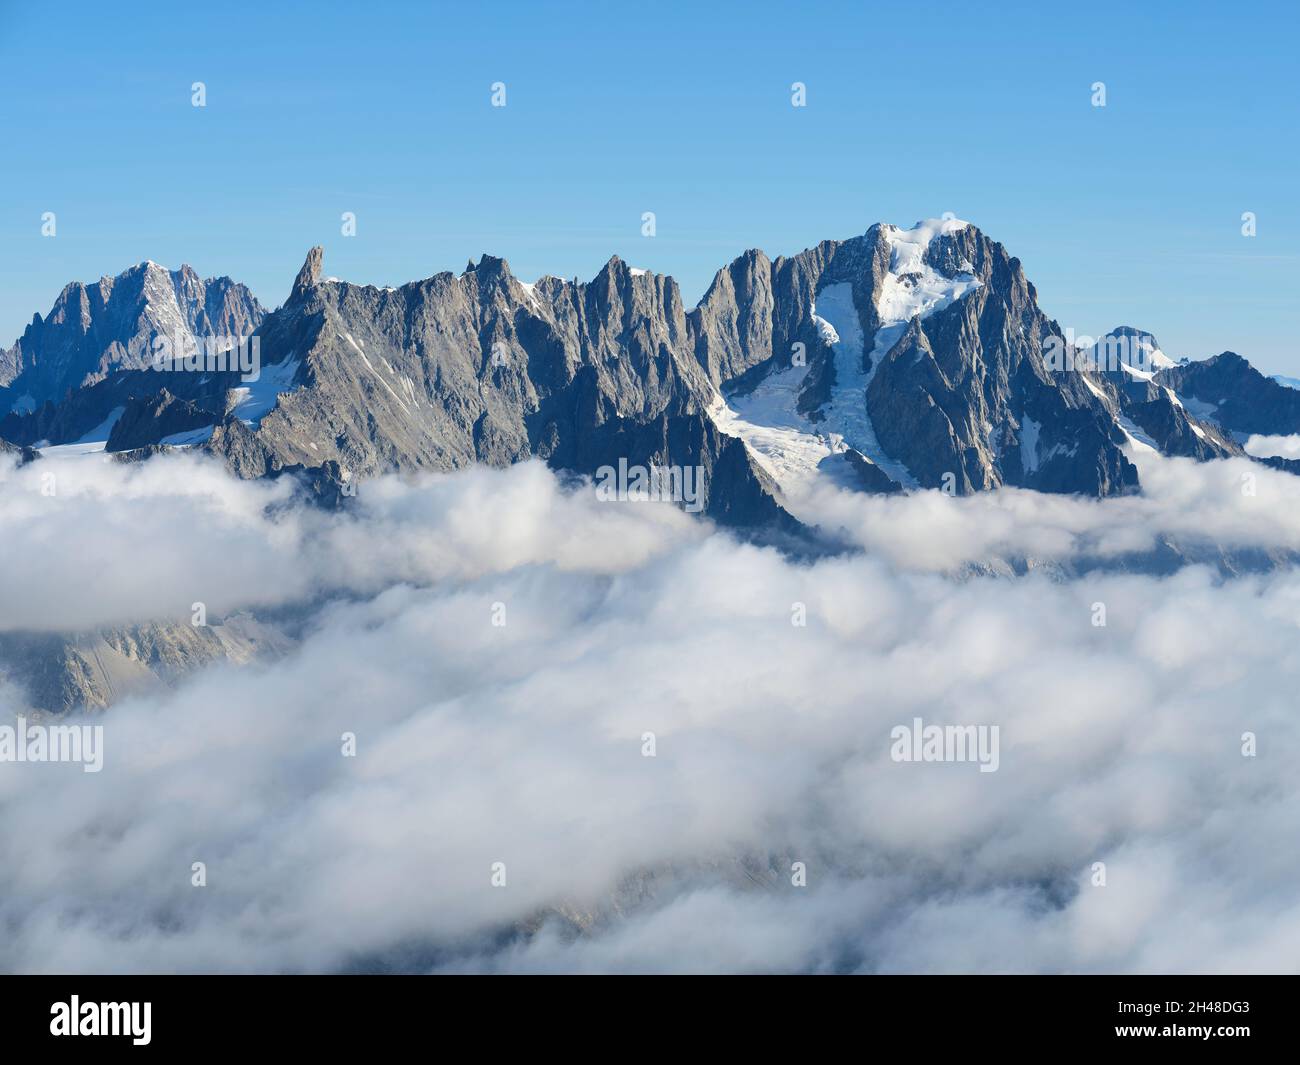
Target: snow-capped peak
912,286
1132,350
927,229
791,447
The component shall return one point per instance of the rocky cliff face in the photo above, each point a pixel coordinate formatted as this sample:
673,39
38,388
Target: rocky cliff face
1235,395
62,672
98,329
480,367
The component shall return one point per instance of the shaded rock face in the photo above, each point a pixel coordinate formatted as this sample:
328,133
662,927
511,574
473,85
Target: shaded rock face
1237,396
105,402
145,418
98,329
966,393
1165,422
866,475
1128,374
63,672
456,370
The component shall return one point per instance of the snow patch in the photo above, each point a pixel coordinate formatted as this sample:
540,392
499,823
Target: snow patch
1199,408
190,438
783,441
91,443
1138,440
103,430
847,420
253,401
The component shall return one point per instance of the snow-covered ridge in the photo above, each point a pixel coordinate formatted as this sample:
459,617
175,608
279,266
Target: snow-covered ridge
912,286
789,446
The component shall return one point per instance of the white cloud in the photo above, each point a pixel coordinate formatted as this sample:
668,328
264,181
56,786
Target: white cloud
118,542
1235,504
1287,447
522,743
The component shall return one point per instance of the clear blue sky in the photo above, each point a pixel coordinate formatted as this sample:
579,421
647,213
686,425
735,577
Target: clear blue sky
1128,214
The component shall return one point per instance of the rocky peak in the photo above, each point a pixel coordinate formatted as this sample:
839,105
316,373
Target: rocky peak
309,275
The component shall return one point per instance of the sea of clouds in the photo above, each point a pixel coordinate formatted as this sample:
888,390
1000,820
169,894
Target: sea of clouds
522,743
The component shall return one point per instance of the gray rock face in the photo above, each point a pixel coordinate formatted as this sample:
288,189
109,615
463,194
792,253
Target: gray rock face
967,391
147,418
98,329
733,323
456,370
1237,396
63,672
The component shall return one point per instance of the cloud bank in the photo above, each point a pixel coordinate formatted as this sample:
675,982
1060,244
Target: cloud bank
519,748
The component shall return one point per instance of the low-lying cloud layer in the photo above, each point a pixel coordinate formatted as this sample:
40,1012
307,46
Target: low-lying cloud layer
1287,447
524,743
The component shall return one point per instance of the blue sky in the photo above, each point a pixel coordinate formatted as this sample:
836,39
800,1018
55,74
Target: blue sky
1127,214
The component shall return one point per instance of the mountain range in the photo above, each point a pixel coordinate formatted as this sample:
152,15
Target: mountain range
896,360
